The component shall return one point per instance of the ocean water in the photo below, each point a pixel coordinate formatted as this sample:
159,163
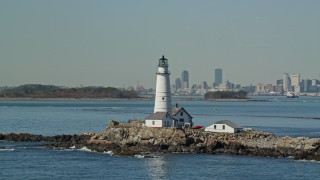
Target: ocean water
23,160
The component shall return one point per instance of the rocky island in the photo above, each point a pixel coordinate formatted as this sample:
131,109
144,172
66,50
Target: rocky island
124,140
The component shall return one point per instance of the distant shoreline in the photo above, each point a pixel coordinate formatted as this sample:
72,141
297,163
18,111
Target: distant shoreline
76,99
127,99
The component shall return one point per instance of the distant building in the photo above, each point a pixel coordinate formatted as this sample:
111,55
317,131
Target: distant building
295,83
314,82
224,126
260,89
195,86
178,83
218,76
250,89
204,85
278,89
226,86
280,82
296,89
295,79
314,89
185,79
286,82
306,83
269,88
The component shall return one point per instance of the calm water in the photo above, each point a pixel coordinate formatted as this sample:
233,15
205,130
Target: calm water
282,116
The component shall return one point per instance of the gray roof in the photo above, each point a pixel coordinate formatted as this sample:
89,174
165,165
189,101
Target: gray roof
175,110
229,123
157,116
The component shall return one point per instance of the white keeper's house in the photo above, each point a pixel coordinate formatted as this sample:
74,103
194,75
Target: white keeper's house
224,126
183,118
164,114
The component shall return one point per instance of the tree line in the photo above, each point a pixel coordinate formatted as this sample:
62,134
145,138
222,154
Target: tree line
50,91
226,95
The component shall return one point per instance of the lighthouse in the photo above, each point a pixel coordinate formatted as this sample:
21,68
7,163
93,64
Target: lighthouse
164,114
163,93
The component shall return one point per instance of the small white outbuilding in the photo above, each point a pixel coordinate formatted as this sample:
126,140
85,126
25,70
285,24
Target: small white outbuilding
224,126
159,119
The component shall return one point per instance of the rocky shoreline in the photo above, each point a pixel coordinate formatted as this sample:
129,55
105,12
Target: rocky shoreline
143,140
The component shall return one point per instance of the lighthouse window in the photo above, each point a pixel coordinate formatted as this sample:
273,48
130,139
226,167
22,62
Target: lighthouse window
153,122
162,98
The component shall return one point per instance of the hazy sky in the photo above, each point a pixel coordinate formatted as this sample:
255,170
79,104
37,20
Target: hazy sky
118,42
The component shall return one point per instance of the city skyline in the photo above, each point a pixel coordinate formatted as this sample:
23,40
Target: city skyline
113,43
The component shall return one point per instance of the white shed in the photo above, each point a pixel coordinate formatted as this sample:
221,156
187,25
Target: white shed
225,126
159,119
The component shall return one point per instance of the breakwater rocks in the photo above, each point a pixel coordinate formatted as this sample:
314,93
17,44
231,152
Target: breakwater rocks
140,140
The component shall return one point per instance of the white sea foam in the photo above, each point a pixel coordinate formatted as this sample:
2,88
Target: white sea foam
144,156
312,161
108,152
6,150
84,148
138,156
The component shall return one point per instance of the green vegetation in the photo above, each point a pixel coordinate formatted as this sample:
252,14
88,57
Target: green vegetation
50,91
226,95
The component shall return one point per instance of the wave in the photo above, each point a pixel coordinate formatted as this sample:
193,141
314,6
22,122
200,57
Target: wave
309,161
108,152
84,148
6,150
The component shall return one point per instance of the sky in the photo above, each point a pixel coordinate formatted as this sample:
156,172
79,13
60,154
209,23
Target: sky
119,42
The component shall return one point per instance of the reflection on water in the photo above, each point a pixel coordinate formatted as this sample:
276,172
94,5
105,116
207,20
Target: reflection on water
157,168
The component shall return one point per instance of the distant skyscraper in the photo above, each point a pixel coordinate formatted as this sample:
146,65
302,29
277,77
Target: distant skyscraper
218,76
280,82
314,82
295,79
306,83
185,79
204,85
286,82
178,83
295,82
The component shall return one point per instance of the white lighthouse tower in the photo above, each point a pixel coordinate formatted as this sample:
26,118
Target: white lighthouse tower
164,115
163,93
